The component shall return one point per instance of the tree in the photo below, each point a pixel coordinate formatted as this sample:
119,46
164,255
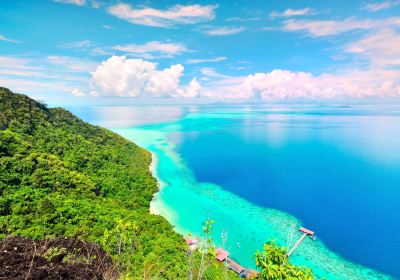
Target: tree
274,264
121,241
207,248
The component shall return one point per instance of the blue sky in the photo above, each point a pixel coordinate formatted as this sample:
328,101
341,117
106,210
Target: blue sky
86,51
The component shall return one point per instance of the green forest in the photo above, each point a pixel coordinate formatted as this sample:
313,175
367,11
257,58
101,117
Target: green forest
60,176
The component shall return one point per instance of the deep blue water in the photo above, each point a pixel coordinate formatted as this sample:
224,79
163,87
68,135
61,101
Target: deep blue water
337,169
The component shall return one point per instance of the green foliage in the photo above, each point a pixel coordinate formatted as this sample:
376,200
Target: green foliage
207,252
208,241
274,264
74,257
53,252
60,176
67,257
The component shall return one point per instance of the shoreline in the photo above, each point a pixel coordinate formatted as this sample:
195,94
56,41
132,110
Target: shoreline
270,223
156,207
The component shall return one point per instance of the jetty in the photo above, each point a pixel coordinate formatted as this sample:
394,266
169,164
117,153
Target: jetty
232,265
306,232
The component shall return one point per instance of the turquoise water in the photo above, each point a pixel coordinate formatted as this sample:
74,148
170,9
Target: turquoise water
261,172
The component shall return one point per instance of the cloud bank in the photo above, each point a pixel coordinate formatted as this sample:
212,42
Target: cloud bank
377,77
374,73
283,84
119,76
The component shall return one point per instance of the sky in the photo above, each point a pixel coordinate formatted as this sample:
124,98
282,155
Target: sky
106,51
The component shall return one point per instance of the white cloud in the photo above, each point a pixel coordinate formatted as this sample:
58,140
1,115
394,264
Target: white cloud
42,69
101,51
149,50
191,90
240,65
105,26
73,2
45,76
380,49
292,12
72,64
32,86
242,19
119,76
377,76
283,84
16,63
374,7
153,47
222,31
96,4
321,28
27,73
5,39
214,59
178,14
77,92
211,73
23,67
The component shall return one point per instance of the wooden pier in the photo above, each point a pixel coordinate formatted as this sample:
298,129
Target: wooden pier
306,232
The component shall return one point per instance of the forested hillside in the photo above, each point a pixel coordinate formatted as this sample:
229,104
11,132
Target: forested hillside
60,176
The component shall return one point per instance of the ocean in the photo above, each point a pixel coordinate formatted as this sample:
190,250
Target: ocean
262,171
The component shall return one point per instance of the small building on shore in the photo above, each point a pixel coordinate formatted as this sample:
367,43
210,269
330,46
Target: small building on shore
221,254
192,243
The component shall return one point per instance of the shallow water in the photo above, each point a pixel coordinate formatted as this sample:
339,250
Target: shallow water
262,171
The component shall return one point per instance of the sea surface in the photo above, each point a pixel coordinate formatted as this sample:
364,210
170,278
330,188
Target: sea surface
261,172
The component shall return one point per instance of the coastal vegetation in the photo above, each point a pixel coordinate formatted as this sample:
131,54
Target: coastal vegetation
274,264
62,177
